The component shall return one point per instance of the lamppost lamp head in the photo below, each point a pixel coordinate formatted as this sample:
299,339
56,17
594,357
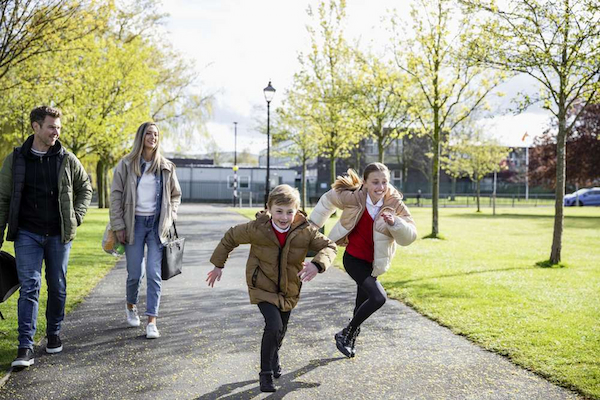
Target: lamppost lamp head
269,92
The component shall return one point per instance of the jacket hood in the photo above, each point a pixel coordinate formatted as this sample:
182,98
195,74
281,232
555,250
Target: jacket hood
53,151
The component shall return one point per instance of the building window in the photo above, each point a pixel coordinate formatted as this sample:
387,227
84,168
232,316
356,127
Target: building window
243,182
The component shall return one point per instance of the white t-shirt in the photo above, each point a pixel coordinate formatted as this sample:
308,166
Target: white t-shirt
145,201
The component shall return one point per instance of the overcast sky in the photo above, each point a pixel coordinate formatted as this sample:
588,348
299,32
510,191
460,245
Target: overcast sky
239,45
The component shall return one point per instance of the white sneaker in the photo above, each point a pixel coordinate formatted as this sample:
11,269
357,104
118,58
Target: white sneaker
132,316
152,331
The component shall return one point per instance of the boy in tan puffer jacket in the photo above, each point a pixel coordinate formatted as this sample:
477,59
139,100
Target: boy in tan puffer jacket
280,238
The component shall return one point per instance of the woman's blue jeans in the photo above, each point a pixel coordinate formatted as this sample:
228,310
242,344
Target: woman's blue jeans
145,235
30,250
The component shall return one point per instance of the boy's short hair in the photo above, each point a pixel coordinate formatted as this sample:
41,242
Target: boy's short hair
284,194
39,114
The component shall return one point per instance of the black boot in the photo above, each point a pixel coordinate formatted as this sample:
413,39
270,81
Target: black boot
343,341
353,342
266,382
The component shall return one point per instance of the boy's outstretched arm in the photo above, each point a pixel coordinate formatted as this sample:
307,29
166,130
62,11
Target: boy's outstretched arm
214,275
233,238
326,251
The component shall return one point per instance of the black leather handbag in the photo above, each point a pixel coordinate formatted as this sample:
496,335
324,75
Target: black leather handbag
172,260
9,282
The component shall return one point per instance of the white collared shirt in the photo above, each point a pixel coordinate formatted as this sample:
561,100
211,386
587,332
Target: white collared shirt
373,209
278,229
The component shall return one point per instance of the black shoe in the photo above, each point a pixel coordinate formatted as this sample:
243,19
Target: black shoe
343,342
54,344
24,358
266,382
353,342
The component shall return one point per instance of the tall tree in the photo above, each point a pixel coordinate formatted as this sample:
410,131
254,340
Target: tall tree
379,99
295,127
557,43
438,58
472,154
323,78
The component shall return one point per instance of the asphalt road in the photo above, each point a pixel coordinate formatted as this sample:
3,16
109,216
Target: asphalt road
209,348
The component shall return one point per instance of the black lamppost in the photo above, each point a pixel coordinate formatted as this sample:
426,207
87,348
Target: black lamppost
235,166
269,92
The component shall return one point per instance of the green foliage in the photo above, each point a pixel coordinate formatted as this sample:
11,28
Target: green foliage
437,56
323,81
380,100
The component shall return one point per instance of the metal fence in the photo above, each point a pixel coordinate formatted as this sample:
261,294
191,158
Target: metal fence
485,200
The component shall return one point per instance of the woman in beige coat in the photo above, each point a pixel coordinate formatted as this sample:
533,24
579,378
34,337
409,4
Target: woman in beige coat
374,219
144,198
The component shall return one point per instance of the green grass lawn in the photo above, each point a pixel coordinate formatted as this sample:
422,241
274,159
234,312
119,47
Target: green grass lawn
482,282
88,264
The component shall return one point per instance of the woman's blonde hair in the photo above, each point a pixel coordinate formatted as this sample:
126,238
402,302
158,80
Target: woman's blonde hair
282,195
138,148
352,181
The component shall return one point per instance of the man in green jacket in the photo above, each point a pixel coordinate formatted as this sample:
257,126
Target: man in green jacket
44,195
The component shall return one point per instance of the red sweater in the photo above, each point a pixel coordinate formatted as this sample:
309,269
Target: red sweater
280,236
360,240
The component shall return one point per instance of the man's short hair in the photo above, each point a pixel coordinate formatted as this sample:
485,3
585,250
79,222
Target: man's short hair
39,114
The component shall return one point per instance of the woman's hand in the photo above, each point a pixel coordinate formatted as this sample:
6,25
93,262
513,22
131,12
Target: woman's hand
121,236
214,275
388,218
309,271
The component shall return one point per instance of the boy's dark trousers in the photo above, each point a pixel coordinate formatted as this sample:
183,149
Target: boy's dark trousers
275,327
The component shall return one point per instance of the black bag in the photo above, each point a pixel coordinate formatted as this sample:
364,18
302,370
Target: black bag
172,260
9,281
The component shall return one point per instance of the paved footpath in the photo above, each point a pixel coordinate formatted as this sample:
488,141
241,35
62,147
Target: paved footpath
210,343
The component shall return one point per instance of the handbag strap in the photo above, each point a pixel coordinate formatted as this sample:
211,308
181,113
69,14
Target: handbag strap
175,229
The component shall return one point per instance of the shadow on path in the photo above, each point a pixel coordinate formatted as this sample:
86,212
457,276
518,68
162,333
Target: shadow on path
286,384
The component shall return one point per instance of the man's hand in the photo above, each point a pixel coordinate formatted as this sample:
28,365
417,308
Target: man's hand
309,271
214,275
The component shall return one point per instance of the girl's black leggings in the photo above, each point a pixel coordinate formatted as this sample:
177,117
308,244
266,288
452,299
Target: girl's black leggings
370,295
275,327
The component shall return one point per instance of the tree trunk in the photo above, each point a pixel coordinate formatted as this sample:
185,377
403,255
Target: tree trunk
453,194
478,191
435,176
332,175
304,185
100,183
560,187
106,186
380,149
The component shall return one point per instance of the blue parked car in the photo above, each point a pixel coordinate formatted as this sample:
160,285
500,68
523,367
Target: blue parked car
587,197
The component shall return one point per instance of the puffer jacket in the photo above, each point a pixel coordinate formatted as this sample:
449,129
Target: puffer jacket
123,200
74,192
353,203
272,270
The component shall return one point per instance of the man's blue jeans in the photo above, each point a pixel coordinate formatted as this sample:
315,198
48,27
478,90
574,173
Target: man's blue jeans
30,250
145,234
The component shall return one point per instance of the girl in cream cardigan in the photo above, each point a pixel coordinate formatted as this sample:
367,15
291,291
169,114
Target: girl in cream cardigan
374,220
